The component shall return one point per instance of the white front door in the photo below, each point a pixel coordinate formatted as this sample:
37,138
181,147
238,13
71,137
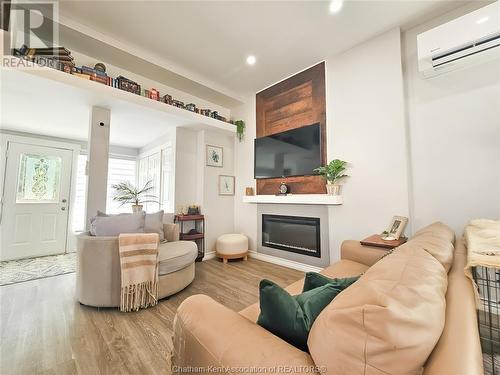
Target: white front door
35,201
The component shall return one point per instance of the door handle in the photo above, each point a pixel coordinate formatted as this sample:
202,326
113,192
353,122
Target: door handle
63,208
64,200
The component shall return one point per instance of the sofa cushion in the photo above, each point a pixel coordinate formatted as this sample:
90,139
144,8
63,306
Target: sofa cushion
437,239
342,268
437,229
174,256
153,223
388,322
114,225
315,280
291,317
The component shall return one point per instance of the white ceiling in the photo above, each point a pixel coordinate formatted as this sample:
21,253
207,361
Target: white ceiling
211,39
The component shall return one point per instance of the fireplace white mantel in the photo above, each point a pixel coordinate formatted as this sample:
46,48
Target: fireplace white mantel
317,199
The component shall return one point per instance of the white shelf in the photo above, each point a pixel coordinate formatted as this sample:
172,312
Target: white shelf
318,199
102,94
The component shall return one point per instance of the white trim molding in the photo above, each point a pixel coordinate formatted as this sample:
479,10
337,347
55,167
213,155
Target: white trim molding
320,199
284,262
209,255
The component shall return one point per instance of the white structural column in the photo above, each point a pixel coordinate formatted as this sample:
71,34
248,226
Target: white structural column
97,164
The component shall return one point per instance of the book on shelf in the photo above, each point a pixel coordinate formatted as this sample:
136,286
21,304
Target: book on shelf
24,49
80,75
91,71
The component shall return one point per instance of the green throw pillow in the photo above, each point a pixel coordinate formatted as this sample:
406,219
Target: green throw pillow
291,317
315,280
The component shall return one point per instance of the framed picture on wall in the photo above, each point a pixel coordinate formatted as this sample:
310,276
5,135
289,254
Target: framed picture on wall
226,185
215,156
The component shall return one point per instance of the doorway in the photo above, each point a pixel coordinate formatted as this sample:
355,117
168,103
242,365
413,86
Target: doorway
35,200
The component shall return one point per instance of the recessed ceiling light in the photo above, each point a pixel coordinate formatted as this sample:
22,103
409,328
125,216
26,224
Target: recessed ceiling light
251,60
482,20
336,6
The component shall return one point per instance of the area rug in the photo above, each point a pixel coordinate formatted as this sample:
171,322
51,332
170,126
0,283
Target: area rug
18,271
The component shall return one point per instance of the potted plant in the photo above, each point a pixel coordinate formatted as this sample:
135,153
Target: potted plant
333,172
240,129
125,192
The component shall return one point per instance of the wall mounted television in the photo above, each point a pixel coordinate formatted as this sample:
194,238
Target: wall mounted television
294,152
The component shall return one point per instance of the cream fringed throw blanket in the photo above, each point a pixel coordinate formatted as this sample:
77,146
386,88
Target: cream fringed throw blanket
482,238
139,266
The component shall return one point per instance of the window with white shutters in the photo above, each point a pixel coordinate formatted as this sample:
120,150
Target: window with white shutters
119,170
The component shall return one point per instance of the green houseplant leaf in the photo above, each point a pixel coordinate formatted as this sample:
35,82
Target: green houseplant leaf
240,129
333,171
125,192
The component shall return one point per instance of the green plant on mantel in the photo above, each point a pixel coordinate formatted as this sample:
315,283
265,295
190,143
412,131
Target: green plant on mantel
333,171
240,129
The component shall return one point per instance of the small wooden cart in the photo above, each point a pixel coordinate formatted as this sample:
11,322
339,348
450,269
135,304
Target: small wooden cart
198,237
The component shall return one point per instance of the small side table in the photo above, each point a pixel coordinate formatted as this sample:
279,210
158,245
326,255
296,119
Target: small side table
377,241
198,237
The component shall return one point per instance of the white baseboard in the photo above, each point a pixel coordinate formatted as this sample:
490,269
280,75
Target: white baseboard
284,262
208,256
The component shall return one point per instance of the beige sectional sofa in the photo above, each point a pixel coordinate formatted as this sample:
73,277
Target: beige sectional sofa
98,274
411,312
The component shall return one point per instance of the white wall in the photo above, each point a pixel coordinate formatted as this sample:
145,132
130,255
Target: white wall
245,214
454,122
218,209
197,183
366,127
424,148
186,164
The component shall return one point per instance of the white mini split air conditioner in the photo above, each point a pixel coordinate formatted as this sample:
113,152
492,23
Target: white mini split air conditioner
465,41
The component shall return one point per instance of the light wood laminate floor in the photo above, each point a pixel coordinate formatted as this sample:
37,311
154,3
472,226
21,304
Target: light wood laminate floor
44,330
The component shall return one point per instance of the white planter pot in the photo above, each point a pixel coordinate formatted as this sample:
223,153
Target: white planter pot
333,189
136,207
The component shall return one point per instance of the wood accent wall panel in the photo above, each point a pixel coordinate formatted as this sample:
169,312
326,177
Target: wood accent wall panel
293,103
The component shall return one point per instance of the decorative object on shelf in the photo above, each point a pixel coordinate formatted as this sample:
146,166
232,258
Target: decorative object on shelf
249,191
240,129
193,210
125,192
126,84
396,229
205,112
214,156
197,235
154,94
284,189
214,114
177,103
167,99
226,185
333,172
191,107
100,67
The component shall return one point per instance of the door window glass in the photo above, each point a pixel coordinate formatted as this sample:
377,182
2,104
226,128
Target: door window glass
39,179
